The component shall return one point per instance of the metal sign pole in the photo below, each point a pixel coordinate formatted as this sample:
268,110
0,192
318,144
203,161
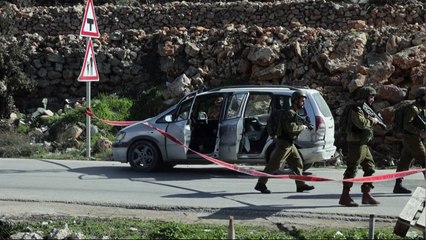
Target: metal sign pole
89,71
88,118
88,121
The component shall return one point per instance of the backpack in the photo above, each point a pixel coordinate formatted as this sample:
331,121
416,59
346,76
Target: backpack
273,125
398,120
344,118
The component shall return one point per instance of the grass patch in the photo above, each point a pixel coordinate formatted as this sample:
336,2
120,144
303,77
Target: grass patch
348,234
112,108
120,228
76,155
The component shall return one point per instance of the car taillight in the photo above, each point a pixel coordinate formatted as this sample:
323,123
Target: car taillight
319,122
320,127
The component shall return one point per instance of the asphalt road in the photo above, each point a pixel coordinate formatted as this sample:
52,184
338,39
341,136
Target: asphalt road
210,188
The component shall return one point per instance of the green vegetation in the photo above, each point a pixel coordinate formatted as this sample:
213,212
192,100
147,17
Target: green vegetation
13,144
150,103
13,80
16,143
6,20
73,115
23,129
119,228
113,108
13,60
76,155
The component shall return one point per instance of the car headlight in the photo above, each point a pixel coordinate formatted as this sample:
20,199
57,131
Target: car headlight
120,136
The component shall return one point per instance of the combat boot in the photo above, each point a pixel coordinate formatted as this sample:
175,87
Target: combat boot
304,187
366,196
346,200
399,188
261,187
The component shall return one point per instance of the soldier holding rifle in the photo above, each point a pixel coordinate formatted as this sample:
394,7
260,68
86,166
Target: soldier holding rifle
414,131
290,125
359,129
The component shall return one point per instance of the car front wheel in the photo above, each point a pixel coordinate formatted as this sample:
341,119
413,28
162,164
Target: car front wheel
143,156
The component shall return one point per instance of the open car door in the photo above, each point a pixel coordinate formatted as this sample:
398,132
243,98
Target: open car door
231,127
180,129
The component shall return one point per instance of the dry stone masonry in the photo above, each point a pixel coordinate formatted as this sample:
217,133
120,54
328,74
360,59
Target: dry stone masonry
332,46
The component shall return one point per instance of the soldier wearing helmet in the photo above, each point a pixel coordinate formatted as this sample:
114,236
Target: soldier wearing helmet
365,93
412,144
296,95
359,130
289,127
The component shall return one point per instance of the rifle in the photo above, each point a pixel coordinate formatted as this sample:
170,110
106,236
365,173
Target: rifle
305,121
419,123
371,113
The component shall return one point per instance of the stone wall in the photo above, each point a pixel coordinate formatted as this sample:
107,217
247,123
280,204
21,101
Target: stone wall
151,18
333,47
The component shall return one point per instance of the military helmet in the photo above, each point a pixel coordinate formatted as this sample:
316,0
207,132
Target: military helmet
365,92
297,94
420,92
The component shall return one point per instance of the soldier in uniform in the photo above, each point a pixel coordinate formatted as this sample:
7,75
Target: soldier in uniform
359,133
288,130
413,146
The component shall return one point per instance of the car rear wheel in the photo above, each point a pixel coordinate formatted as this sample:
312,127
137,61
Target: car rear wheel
143,156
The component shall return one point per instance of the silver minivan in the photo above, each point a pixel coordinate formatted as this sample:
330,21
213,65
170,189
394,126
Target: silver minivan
227,123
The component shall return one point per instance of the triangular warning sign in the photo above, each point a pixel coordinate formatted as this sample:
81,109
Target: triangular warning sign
89,70
89,27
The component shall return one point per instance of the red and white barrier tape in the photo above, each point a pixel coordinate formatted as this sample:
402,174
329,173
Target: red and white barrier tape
109,122
376,178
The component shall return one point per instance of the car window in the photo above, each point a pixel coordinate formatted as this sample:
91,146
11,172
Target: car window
284,102
210,104
322,104
213,112
258,104
162,119
302,112
233,108
183,111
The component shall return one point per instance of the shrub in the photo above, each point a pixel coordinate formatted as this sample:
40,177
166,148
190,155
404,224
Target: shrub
13,80
14,144
150,103
23,129
13,60
71,116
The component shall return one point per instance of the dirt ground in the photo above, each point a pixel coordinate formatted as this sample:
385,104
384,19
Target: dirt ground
283,220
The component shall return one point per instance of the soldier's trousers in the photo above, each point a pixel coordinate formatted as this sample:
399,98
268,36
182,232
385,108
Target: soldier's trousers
358,154
413,148
284,151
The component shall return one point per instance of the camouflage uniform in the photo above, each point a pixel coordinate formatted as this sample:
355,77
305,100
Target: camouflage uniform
413,146
359,133
285,150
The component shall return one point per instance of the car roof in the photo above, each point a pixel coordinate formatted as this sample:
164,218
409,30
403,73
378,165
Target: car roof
257,88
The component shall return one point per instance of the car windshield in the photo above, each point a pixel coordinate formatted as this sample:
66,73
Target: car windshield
325,110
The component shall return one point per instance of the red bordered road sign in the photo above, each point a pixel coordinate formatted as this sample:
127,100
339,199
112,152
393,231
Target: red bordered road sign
89,27
89,70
